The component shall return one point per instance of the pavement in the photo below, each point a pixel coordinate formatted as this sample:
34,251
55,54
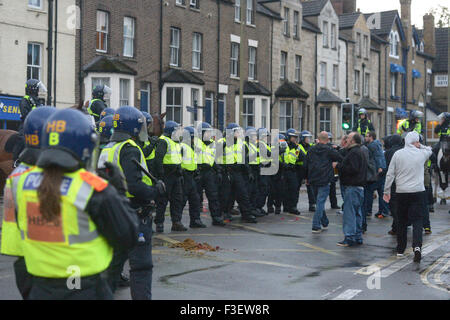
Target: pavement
279,258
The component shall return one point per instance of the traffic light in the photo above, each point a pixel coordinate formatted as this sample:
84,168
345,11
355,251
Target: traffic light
347,116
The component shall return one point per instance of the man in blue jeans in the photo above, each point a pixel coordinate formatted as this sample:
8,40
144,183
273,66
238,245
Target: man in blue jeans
319,164
353,174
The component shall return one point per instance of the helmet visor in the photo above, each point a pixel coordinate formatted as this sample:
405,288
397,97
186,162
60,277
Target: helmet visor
107,91
143,134
91,164
42,88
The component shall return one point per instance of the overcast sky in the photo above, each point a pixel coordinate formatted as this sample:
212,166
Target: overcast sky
419,7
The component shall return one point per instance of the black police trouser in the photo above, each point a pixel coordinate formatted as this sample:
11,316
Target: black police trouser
291,195
276,189
174,194
240,192
253,185
141,265
91,288
263,191
208,181
191,195
226,196
333,198
410,209
24,280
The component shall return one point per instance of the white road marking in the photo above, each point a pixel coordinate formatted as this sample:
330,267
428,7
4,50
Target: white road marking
331,292
440,286
347,294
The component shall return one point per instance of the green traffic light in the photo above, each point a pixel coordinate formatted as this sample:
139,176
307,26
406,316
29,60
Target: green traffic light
345,126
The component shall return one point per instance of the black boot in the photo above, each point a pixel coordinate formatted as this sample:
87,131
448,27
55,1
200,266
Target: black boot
197,223
277,210
312,208
258,213
270,210
217,221
178,226
124,281
294,211
160,227
249,219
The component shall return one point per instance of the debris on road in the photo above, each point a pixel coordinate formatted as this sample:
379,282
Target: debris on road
190,245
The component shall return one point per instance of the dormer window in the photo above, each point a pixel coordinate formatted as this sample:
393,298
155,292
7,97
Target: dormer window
393,44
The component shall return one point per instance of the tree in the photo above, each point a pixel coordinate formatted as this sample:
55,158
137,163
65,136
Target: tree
443,15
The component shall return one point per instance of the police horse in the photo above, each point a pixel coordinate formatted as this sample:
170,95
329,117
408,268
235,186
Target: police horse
443,167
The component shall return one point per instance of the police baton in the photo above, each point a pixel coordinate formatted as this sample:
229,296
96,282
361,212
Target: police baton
148,174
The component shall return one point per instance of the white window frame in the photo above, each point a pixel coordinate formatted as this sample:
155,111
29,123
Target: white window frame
296,23
298,68
358,44
234,59
393,82
252,63
366,90
284,116
197,47
390,116
180,2
32,65
335,81
40,6
129,37
323,74
175,47
356,81
249,13
124,95
105,32
246,114
393,44
326,121
264,112
237,10
366,46
325,34
194,4
286,25
441,80
283,65
301,105
170,108
195,96
333,36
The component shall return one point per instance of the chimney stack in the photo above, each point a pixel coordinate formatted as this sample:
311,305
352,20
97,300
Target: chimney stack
344,6
406,19
429,34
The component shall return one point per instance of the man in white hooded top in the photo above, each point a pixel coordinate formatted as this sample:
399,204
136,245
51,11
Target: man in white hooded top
407,169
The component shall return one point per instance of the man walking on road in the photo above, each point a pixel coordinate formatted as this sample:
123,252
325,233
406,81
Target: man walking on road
407,169
319,165
353,176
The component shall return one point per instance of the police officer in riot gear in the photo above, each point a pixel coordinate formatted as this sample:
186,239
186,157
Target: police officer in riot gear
167,166
68,216
252,159
265,156
105,130
32,130
130,130
208,178
107,112
189,166
277,184
364,125
236,173
412,124
97,104
290,176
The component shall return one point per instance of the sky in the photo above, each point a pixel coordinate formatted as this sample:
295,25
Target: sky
418,7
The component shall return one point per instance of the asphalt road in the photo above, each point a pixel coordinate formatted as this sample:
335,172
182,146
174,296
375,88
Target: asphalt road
279,258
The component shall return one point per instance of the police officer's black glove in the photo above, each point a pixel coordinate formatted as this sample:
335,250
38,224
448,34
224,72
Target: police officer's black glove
114,176
160,187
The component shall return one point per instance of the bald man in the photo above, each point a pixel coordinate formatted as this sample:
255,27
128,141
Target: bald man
319,165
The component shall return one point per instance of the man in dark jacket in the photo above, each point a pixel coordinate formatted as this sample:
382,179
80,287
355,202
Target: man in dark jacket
319,166
377,158
353,175
392,144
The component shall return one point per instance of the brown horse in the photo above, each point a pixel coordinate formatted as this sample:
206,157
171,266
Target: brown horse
158,124
6,156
